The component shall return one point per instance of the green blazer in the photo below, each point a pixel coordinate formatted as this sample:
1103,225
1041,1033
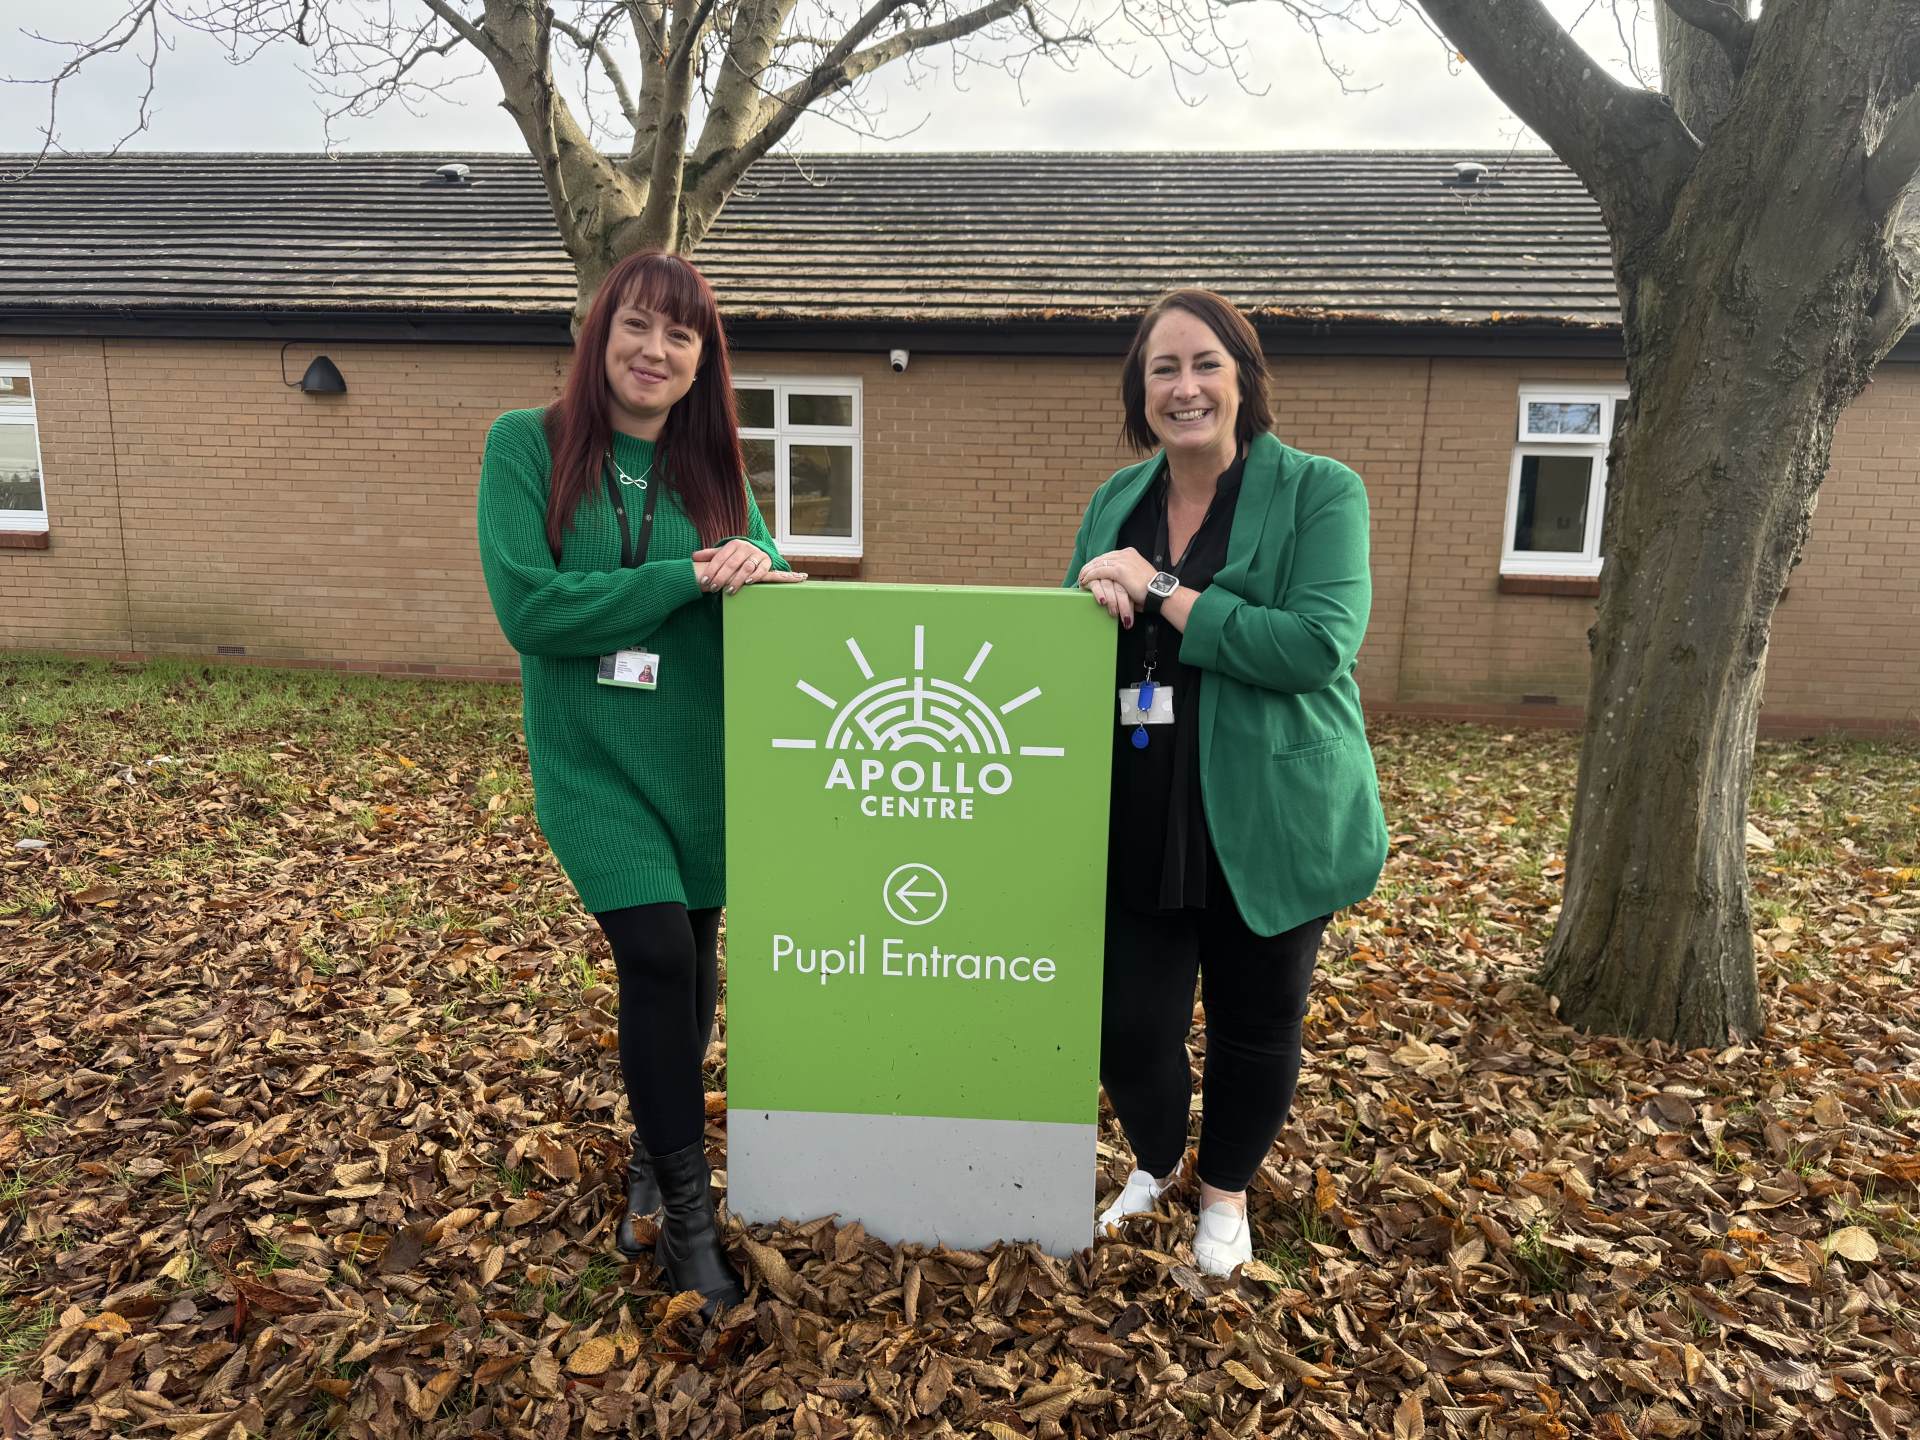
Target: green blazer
1286,776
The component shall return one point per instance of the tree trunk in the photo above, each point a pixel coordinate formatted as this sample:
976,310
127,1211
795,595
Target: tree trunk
1750,324
1694,71
1654,934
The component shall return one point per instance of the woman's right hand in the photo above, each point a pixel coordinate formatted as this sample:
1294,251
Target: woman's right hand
725,569
1113,599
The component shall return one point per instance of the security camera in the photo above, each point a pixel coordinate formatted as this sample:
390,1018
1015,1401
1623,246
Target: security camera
897,359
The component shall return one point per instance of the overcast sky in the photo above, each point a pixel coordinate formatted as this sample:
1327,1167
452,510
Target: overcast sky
1411,97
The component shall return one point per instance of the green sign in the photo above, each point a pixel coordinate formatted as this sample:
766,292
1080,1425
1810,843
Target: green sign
917,783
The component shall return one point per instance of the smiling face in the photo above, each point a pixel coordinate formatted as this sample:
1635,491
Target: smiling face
1192,388
651,363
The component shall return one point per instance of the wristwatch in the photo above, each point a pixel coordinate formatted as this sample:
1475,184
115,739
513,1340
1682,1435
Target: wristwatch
1159,588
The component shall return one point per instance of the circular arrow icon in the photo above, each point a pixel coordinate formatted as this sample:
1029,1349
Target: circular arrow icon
915,894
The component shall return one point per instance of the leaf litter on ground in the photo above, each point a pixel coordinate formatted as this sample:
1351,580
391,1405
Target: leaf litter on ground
311,1123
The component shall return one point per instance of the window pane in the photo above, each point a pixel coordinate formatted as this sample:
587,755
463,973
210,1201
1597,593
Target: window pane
15,387
820,410
19,469
760,480
1552,514
756,408
822,499
1563,417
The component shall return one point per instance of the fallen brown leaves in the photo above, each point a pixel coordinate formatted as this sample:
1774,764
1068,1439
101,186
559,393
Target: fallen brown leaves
310,1123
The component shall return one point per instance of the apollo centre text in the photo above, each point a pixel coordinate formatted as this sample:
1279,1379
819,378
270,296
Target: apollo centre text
929,791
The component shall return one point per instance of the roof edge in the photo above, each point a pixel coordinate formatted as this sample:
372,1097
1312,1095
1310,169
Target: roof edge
1330,335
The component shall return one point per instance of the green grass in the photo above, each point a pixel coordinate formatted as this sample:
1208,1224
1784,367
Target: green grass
190,1183
321,960
179,702
1546,1269
17,1189
601,1274
271,1257
1290,1233
22,1332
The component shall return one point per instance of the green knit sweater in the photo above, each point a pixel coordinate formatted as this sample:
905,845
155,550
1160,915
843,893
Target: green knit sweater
627,784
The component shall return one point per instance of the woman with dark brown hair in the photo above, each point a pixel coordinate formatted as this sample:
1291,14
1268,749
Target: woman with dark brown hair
1244,810
611,524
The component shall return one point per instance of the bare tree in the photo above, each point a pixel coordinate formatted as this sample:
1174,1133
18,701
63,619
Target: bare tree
645,114
1767,247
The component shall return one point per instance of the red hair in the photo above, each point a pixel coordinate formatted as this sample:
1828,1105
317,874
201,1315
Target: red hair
700,442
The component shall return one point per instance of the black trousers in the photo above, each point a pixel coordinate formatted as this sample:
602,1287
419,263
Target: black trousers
1254,988
668,959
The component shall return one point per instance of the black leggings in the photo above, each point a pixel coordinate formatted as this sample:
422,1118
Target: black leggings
669,968
1254,988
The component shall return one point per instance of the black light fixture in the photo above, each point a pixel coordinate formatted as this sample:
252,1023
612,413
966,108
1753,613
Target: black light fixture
323,377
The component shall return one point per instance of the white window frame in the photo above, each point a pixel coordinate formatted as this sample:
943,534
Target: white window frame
1587,562
785,437
14,413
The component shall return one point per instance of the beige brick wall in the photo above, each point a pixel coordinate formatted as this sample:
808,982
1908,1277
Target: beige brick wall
1466,642
339,530
1846,640
73,596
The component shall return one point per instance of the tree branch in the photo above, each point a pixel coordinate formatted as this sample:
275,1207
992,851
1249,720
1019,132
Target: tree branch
116,36
589,196
1626,144
1897,307
649,37
661,216
683,51
749,46
842,65
1895,161
1725,21
474,34
594,43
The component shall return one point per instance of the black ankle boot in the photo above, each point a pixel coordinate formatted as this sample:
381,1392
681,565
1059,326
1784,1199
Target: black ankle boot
643,1198
689,1245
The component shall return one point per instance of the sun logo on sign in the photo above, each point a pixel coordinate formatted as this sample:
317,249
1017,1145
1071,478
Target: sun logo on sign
918,711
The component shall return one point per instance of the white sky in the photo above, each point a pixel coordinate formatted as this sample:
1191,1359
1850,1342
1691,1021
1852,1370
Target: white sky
1413,98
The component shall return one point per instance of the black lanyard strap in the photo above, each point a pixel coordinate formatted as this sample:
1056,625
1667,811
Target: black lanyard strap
1162,543
631,558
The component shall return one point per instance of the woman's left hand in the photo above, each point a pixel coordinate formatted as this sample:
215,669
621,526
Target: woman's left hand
723,569
1128,569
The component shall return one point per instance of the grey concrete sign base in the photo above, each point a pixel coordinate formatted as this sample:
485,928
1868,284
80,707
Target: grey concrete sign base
914,1178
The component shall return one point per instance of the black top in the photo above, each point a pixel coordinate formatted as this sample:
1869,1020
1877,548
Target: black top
1158,849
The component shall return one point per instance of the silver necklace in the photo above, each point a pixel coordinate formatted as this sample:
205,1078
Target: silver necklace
626,479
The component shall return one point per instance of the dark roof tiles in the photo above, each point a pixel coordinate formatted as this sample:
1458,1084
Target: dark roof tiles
824,238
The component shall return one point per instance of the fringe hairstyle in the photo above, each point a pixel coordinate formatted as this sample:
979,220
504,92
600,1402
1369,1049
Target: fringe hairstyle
1237,337
699,447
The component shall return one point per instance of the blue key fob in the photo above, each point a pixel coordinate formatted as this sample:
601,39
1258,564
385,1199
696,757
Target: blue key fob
1147,688
1139,737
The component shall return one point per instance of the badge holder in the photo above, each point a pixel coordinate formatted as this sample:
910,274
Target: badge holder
1148,703
630,669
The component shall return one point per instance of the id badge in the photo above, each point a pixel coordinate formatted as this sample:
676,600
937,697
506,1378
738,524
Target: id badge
630,669
1160,712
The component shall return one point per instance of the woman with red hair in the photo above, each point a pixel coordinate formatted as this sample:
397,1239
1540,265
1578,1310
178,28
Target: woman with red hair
612,524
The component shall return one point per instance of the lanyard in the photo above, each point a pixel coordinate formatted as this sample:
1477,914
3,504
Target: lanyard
630,558
1162,543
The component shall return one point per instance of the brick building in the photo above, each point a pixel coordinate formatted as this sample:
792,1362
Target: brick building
1449,329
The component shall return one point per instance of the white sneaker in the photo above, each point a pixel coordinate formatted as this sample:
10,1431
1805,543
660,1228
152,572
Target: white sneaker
1222,1240
1139,1196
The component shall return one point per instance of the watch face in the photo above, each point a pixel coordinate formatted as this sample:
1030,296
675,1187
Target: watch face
1163,584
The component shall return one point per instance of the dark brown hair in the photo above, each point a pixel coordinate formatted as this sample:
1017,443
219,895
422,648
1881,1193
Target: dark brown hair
1236,337
700,443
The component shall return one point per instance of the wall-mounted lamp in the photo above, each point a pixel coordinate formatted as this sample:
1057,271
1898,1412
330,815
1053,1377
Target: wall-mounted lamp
323,377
